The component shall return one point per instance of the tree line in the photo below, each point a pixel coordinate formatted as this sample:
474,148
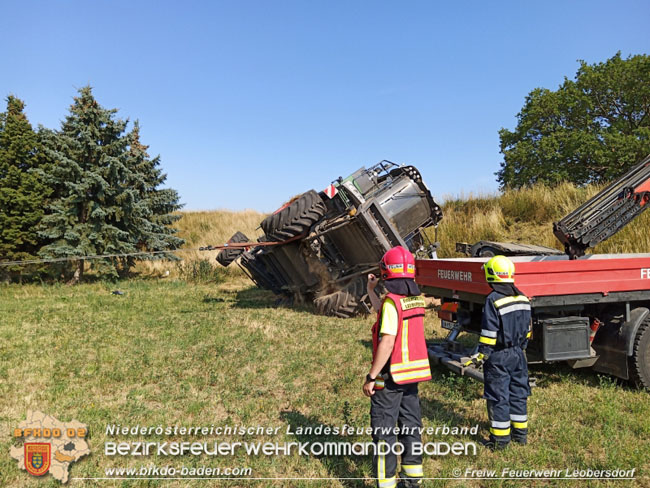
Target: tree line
88,188
590,130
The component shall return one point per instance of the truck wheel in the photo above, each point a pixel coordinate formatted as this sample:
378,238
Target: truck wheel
294,219
343,304
487,252
640,360
227,256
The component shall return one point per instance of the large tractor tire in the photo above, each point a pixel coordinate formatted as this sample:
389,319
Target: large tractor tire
343,304
228,255
295,218
640,360
254,263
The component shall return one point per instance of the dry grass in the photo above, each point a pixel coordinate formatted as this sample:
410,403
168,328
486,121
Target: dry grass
205,228
527,216
524,215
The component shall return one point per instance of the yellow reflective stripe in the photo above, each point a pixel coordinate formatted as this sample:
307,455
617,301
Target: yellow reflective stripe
500,432
530,333
411,375
488,340
412,364
412,302
506,300
520,425
503,301
405,341
388,482
413,470
382,481
381,464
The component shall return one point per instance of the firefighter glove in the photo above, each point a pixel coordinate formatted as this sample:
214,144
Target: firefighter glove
475,360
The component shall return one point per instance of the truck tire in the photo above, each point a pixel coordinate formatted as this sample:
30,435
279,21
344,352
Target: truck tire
487,252
227,256
295,218
343,303
640,360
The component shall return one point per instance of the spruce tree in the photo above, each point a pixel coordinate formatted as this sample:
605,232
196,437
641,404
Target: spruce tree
152,217
21,191
97,207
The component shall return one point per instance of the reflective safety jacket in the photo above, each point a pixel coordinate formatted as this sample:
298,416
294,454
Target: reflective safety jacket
506,322
409,362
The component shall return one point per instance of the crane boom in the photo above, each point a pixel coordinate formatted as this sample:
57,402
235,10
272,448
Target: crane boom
606,213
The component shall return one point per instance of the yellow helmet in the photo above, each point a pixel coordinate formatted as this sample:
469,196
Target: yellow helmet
499,269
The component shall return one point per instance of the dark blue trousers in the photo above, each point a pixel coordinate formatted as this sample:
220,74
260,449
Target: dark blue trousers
506,391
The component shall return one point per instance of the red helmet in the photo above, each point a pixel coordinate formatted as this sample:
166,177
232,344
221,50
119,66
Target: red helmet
397,263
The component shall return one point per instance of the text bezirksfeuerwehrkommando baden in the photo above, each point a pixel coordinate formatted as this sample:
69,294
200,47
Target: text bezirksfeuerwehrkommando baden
345,446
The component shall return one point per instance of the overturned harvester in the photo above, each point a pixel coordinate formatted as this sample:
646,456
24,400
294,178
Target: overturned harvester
329,241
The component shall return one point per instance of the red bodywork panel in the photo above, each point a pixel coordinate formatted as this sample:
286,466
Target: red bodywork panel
543,276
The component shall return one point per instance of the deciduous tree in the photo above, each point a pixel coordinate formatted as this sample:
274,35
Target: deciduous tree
591,129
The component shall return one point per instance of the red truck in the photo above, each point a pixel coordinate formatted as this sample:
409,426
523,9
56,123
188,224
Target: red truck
590,310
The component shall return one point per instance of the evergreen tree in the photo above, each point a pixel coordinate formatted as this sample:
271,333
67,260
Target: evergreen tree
97,207
153,213
21,191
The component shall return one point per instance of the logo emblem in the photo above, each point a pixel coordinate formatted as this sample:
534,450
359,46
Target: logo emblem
37,458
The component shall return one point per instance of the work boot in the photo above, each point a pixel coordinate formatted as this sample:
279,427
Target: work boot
493,445
520,440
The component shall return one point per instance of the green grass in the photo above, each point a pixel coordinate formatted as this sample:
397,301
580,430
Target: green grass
173,353
214,350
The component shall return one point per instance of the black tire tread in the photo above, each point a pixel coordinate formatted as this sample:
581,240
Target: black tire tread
227,256
296,218
640,373
488,252
343,303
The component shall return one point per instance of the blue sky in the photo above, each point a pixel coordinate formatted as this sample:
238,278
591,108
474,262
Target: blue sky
251,102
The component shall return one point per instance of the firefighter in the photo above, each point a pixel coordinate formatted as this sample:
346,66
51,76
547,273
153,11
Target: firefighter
399,362
505,331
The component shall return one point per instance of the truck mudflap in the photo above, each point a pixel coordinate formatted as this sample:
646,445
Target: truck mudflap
614,342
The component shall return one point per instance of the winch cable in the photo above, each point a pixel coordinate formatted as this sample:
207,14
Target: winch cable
234,245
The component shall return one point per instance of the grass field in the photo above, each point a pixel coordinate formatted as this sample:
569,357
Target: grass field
204,347
173,353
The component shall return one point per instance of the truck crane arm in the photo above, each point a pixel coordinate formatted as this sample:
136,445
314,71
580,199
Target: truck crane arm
606,213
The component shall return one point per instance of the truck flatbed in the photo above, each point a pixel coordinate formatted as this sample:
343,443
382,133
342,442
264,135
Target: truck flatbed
593,311
547,280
